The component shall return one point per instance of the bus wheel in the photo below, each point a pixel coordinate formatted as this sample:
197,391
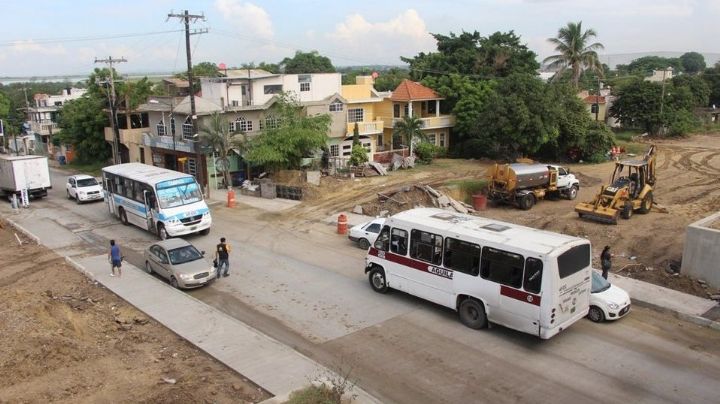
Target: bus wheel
162,233
123,217
472,314
377,280
595,314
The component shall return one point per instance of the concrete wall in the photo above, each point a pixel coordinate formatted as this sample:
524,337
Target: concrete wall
701,255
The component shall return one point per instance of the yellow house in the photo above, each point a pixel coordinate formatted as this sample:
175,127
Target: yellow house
361,100
413,99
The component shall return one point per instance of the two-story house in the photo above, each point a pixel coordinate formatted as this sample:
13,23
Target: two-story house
44,114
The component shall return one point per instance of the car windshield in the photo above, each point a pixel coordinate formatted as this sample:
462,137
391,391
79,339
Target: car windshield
599,284
179,195
87,182
184,254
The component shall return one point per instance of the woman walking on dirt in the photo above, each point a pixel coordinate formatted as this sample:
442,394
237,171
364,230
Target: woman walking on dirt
606,261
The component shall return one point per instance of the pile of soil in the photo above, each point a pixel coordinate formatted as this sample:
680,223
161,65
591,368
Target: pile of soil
586,180
400,200
667,275
66,338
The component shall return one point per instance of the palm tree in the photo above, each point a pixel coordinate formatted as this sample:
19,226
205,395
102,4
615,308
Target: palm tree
217,134
575,51
409,127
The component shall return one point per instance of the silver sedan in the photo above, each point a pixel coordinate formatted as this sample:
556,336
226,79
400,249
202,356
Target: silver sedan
179,262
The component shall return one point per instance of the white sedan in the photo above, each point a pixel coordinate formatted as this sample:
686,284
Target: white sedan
365,234
83,188
607,301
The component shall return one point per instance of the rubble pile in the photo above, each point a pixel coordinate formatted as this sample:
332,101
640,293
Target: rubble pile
391,202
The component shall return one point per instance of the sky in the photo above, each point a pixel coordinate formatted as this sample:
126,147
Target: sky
63,37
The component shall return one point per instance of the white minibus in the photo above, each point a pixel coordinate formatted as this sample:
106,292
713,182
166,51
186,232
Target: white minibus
165,202
530,280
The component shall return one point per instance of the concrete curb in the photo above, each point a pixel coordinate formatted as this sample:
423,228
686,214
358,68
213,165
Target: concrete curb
23,230
698,320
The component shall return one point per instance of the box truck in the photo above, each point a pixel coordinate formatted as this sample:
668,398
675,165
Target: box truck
24,172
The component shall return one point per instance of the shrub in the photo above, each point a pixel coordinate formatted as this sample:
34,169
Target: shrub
598,141
683,124
358,155
425,152
321,394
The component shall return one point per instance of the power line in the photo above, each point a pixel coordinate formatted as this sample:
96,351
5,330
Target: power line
81,39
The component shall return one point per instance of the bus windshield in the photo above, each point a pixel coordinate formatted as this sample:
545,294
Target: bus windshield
171,195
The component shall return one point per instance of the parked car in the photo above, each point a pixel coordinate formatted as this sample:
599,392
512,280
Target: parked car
179,262
607,301
83,188
365,234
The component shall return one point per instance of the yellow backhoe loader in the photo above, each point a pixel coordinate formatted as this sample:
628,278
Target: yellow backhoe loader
630,190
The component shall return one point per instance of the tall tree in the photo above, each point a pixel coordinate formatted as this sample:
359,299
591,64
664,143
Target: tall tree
711,76
295,136
692,62
306,62
576,51
202,69
410,128
645,65
217,134
82,124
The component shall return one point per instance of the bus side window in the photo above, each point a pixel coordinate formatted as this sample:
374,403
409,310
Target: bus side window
533,275
382,242
502,267
398,241
462,256
426,246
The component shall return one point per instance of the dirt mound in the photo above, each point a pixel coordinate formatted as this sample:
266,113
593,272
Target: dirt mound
66,338
397,201
292,178
586,180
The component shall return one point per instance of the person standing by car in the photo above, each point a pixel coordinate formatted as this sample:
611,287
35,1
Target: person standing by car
606,261
115,258
222,255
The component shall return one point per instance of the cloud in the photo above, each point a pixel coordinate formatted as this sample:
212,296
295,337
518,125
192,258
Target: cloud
251,17
362,41
31,46
623,8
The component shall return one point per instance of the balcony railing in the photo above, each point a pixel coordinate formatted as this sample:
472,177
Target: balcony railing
366,128
44,127
429,122
166,142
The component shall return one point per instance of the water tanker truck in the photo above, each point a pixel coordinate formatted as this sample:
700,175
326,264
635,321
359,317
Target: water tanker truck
523,184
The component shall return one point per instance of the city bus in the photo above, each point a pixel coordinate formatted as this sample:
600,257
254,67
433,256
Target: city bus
165,202
530,280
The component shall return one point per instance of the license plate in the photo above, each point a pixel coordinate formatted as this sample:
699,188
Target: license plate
193,228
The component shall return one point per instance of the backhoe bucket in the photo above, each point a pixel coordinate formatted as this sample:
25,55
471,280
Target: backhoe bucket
597,213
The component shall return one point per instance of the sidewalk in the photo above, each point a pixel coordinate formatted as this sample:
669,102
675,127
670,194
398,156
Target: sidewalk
275,367
219,198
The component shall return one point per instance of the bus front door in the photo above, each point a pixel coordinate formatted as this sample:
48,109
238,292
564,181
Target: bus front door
150,211
109,196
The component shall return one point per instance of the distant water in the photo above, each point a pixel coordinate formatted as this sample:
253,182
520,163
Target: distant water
75,78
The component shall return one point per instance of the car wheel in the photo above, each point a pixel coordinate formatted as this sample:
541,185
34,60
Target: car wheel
123,217
377,280
77,199
364,244
148,268
595,314
572,193
174,283
472,314
162,233
627,210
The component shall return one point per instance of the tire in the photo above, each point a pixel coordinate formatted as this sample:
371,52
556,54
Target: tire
647,203
527,202
596,315
148,268
363,244
472,314
572,192
377,279
205,232
174,282
627,210
162,233
123,217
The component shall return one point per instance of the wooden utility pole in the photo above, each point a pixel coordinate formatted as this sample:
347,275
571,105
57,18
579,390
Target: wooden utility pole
113,106
186,17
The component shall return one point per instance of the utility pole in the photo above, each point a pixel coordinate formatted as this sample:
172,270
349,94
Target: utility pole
113,107
597,100
186,17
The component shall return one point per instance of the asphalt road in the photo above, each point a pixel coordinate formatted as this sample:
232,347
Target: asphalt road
304,285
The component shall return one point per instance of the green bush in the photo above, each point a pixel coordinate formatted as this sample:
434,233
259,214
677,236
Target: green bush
358,155
598,141
683,124
425,152
314,395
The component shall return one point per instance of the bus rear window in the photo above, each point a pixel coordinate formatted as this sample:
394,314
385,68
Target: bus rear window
573,260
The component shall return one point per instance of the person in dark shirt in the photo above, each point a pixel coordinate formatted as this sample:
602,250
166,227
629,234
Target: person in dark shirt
222,255
606,261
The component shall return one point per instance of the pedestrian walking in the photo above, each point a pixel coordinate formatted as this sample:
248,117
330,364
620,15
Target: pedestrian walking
606,261
222,255
115,258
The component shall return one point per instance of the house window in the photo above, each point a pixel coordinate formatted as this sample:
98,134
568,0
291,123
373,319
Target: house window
432,138
336,106
161,129
235,103
431,107
142,155
396,110
442,140
241,125
406,109
187,129
273,89
304,86
379,142
334,150
270,122
355,115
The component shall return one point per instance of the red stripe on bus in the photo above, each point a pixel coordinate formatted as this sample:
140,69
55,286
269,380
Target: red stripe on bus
412,263
520,295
